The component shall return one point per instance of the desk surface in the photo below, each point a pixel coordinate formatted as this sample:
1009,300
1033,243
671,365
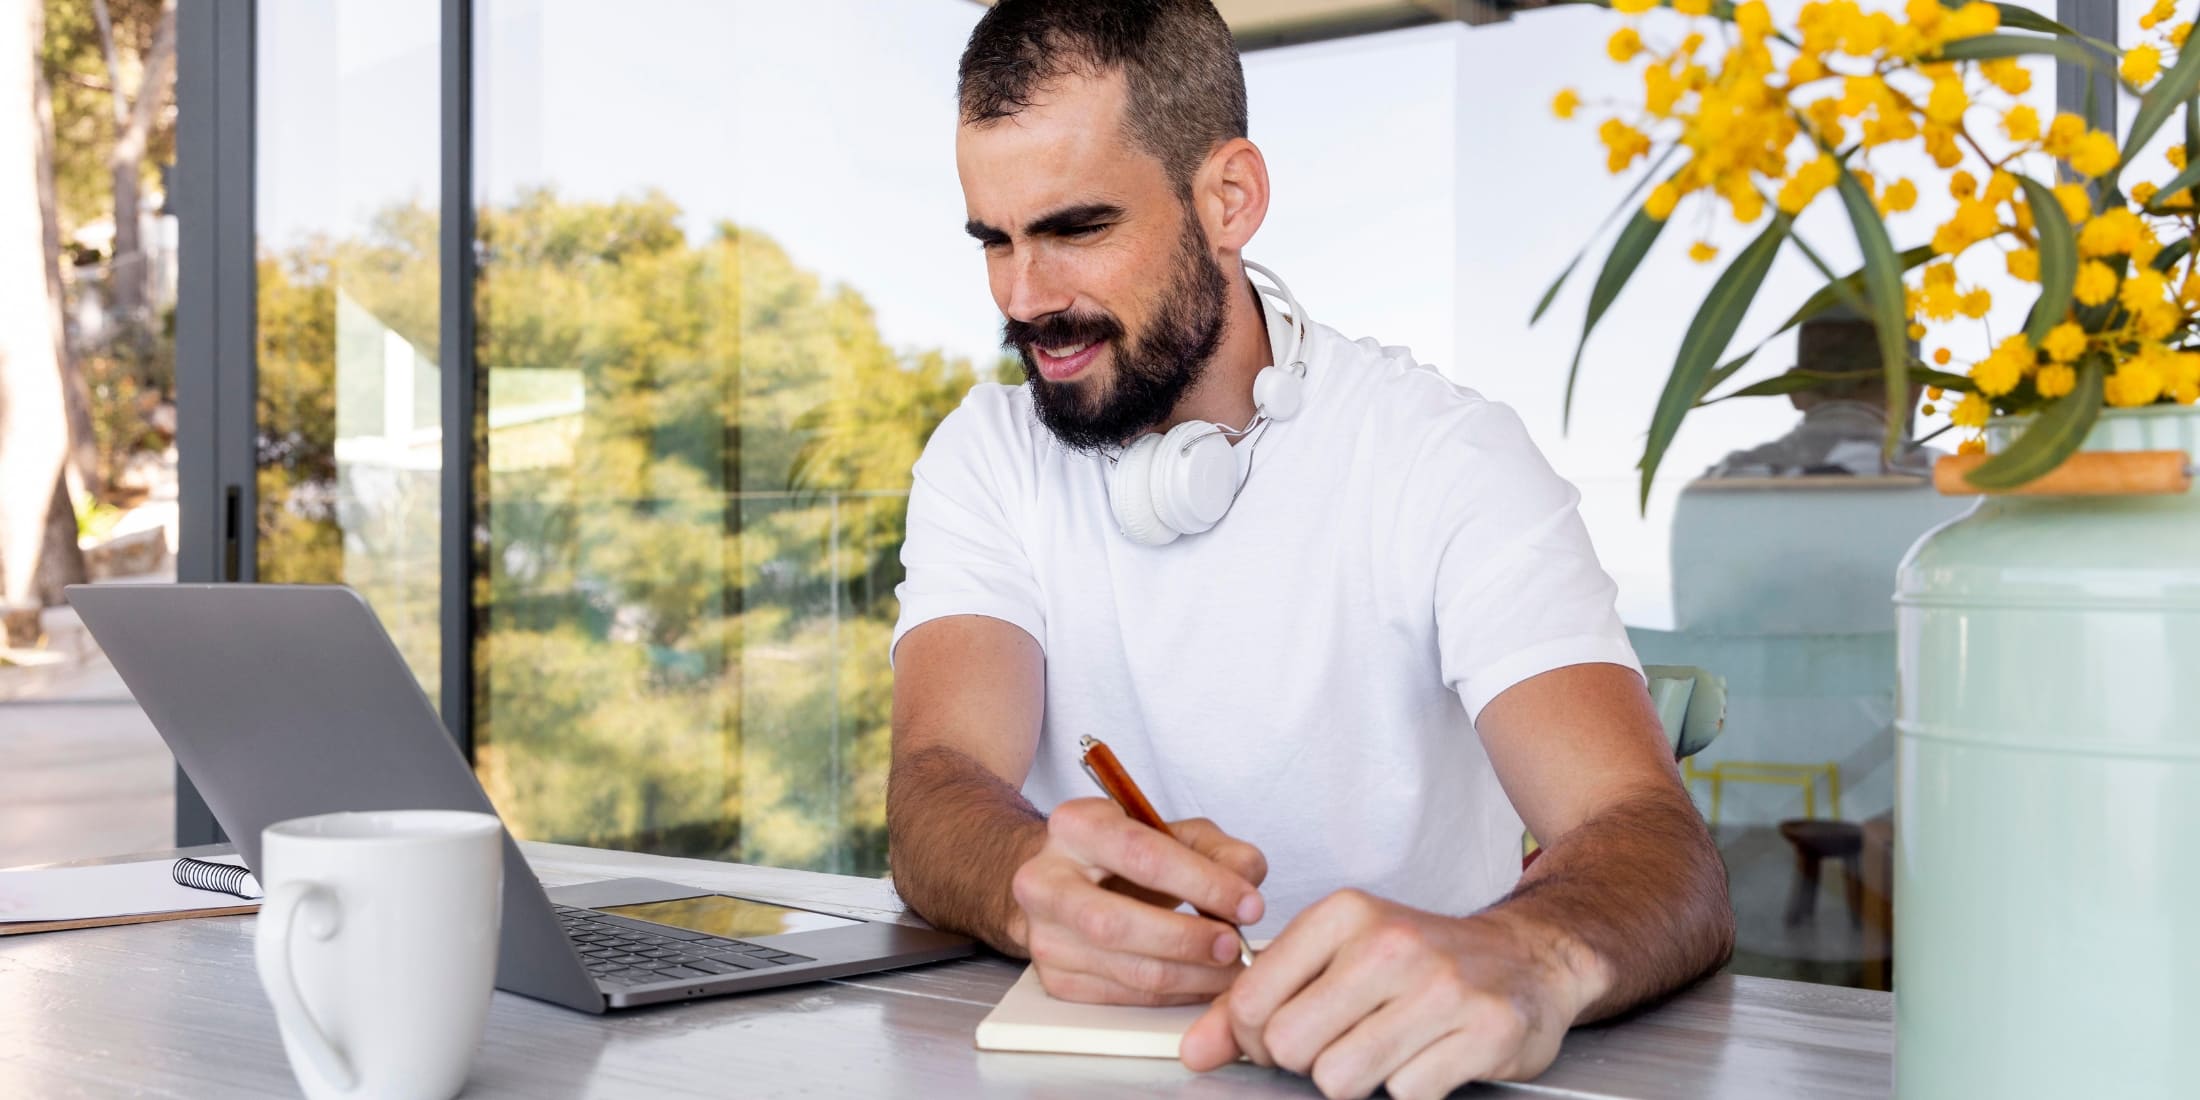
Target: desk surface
174,1009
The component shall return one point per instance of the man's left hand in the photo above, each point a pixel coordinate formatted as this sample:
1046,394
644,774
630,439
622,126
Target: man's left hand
1359,992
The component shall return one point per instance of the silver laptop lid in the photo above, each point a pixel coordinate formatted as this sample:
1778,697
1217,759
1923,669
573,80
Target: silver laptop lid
281,701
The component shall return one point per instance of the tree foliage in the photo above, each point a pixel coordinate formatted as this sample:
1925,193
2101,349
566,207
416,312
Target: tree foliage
697,459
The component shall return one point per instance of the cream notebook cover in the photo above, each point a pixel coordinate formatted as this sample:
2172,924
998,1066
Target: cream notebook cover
1029,1019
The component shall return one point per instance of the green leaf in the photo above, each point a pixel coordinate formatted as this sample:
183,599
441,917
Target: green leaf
1707,337
2025,19
2167,258
1989,47
2174,88
1825,298
1883,287
1851,286
2058,259
1797,381
1627,203
2179,182
1627,252
2054,433
2192,126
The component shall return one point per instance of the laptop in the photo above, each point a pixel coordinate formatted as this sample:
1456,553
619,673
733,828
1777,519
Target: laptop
282,701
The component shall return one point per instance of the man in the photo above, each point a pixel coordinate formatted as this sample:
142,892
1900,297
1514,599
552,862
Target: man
1394,649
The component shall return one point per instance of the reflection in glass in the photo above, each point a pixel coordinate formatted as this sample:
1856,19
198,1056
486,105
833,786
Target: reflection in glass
696,444
348,439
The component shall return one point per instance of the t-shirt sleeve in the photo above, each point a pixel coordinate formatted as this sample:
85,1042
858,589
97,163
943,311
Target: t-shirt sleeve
1518,589
963,553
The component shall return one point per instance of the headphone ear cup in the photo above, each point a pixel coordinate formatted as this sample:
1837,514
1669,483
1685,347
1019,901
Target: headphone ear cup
1131,496
1194,477
1279,392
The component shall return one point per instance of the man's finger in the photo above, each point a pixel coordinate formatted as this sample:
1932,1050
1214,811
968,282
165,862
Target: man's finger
1139,979
1444,1065
1208,1044
1113,922
1378,1046
1298,1033
1112,843
1208,839
1296,958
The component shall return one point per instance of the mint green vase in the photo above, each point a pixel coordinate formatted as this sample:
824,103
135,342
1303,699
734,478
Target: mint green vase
2047,806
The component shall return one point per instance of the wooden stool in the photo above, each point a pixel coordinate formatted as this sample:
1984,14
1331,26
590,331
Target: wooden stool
1815,841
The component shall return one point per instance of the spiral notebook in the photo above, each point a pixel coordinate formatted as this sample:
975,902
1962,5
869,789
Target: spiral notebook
50,899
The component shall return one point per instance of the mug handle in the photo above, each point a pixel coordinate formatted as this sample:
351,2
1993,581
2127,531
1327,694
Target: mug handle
288,902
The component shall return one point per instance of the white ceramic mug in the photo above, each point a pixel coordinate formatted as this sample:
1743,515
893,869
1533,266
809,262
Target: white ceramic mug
378,946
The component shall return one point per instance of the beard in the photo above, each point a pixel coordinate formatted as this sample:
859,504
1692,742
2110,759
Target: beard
1151,373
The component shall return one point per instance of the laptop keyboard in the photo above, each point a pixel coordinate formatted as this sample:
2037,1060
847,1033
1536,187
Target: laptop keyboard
624,952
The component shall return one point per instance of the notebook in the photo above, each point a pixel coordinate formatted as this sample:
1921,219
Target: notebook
1029,1019
50,899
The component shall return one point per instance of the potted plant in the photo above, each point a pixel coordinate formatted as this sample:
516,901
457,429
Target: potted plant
2048,725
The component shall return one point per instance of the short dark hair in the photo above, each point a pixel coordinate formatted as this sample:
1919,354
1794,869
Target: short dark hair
1186,90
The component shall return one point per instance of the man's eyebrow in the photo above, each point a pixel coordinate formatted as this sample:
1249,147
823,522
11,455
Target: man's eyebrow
1073,217
1050,224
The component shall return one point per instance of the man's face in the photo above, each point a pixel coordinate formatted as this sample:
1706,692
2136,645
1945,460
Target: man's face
1111,293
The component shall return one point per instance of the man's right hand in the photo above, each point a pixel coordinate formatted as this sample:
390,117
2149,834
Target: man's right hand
1096,907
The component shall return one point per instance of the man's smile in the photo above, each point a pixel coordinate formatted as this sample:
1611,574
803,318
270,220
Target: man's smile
1060,364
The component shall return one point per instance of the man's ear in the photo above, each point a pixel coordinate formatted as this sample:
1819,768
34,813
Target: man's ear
1231,194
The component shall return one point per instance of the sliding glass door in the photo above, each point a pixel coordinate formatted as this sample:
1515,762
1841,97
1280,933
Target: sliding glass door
592,344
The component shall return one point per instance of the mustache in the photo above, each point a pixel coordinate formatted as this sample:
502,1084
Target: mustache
1059,330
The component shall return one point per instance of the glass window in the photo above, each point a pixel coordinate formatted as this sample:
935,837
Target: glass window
349,437
724,296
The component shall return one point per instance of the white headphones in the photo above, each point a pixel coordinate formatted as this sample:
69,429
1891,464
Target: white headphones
1181,483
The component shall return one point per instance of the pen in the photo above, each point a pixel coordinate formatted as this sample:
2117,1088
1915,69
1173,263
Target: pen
1106,770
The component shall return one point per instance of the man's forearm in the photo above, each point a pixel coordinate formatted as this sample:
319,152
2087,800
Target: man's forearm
956,833
1635,901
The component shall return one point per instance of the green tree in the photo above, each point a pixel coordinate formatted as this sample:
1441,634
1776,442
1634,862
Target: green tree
697,461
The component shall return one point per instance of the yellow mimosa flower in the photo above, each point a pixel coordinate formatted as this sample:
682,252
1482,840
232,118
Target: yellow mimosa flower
1900,196
1940,357
1972,446
2008,74
1947,102
1754,18
2096,283
2143,193
2114,233
2022,123
1962,185
2076,203
2095,154
2024,263
1566,103
1977,303
2065,342
1624,44
1633,7
2055,381
2142,63
2144,288
2000,372
1703,252
1662,199
1692,7
2063,134
2175,154
1971,412
2135,383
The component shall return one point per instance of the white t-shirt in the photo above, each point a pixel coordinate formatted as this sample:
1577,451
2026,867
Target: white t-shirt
1306,673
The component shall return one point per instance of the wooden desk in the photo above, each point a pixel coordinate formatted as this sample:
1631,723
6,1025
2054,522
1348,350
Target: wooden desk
174,1009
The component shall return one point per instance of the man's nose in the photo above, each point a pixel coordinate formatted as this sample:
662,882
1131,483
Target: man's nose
1032,290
